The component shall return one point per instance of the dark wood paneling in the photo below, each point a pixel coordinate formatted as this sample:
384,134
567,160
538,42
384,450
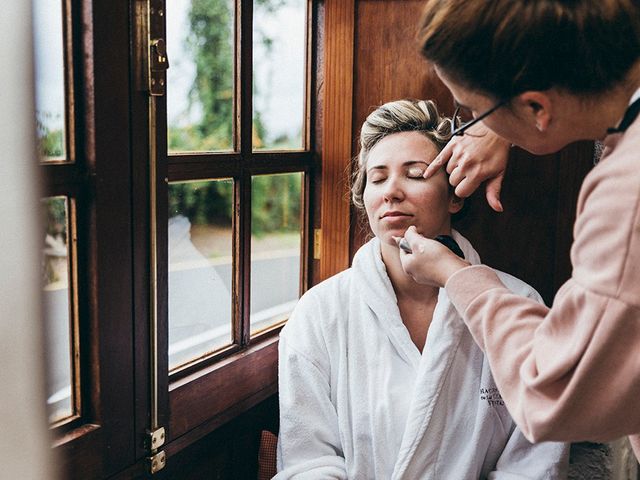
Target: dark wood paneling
231,452
388,66
336,126
205,394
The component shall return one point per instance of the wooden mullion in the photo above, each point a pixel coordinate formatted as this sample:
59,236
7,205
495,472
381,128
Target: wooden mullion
308,71
280,162
203,157
244,75
69,16
244,103
243,253
203,167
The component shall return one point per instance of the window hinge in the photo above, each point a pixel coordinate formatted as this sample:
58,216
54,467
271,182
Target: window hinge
317,243
156,462
155,439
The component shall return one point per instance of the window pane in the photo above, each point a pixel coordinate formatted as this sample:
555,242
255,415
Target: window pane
56,268
49,71
275,247
200,261
279,74
200,81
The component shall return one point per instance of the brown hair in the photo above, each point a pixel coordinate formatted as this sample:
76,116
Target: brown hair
505,47
394,117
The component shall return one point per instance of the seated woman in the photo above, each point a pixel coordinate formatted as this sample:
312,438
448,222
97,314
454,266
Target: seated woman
379,377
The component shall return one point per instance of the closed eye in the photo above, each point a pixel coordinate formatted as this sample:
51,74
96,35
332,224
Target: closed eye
415,172
377,179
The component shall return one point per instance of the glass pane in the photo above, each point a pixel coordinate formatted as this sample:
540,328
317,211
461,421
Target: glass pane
49,78
56,268
200,260
279,28
200,81
276,203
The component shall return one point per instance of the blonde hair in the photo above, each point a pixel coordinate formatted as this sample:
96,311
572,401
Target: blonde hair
394,117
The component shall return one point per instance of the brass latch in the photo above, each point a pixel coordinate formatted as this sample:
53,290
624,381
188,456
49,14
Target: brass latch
158,65
150,48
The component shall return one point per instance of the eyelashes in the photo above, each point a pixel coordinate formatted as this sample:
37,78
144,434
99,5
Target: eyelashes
414,173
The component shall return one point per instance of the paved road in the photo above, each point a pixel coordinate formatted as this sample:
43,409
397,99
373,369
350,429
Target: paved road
199,313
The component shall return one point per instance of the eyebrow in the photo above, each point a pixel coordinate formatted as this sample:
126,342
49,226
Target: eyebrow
405,164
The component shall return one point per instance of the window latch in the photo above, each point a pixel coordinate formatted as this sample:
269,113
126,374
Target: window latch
158,65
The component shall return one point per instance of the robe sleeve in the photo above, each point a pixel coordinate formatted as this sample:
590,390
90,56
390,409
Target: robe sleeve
309,444
521,460
572,372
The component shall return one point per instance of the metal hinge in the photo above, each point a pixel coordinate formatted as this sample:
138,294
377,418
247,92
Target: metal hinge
317,243
157,462
154,440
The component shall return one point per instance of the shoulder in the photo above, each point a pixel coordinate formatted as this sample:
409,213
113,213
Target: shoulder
606,248
319,307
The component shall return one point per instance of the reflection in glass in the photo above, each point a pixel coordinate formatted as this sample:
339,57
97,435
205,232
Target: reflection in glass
278,74
200,263
49,78
200,36
57,304
276,205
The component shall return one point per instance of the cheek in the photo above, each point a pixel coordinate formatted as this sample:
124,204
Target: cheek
434,202
369,198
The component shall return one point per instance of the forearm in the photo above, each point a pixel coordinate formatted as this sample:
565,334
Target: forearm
554,367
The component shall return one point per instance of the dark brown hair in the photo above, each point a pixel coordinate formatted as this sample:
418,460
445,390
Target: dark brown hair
505,47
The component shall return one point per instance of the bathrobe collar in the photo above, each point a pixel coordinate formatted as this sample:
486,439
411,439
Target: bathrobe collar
432,366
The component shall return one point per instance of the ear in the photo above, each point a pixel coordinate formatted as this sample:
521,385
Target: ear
537,107
455,203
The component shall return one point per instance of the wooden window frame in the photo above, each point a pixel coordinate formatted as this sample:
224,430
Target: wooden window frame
95,175
246,371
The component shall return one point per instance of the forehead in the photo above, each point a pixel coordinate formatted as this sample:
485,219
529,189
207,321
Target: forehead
402,147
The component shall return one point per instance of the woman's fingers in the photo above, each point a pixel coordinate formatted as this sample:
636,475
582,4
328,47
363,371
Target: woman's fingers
442,158
493,189
430,262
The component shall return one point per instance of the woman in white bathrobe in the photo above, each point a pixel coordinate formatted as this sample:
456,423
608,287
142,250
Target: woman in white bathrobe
379,377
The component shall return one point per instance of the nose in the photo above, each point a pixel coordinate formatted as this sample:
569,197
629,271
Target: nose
393,191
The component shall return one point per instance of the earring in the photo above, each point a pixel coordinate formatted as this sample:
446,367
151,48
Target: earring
538,126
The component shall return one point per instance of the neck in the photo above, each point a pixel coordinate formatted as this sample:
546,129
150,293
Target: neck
403,285
608,108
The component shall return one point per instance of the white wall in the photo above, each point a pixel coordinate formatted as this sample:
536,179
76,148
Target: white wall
24,438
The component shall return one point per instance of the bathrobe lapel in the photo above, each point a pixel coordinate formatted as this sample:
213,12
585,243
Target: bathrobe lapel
431,367
377,293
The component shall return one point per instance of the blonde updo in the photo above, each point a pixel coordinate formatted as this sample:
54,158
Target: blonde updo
394,117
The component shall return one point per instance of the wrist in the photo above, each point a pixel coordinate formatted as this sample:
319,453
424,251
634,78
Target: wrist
452,265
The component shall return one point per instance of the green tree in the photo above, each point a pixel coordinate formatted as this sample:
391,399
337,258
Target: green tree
275,204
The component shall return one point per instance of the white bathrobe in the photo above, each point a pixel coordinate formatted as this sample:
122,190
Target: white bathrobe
359,401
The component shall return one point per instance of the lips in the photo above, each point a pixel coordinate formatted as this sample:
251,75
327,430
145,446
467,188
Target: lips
393,214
